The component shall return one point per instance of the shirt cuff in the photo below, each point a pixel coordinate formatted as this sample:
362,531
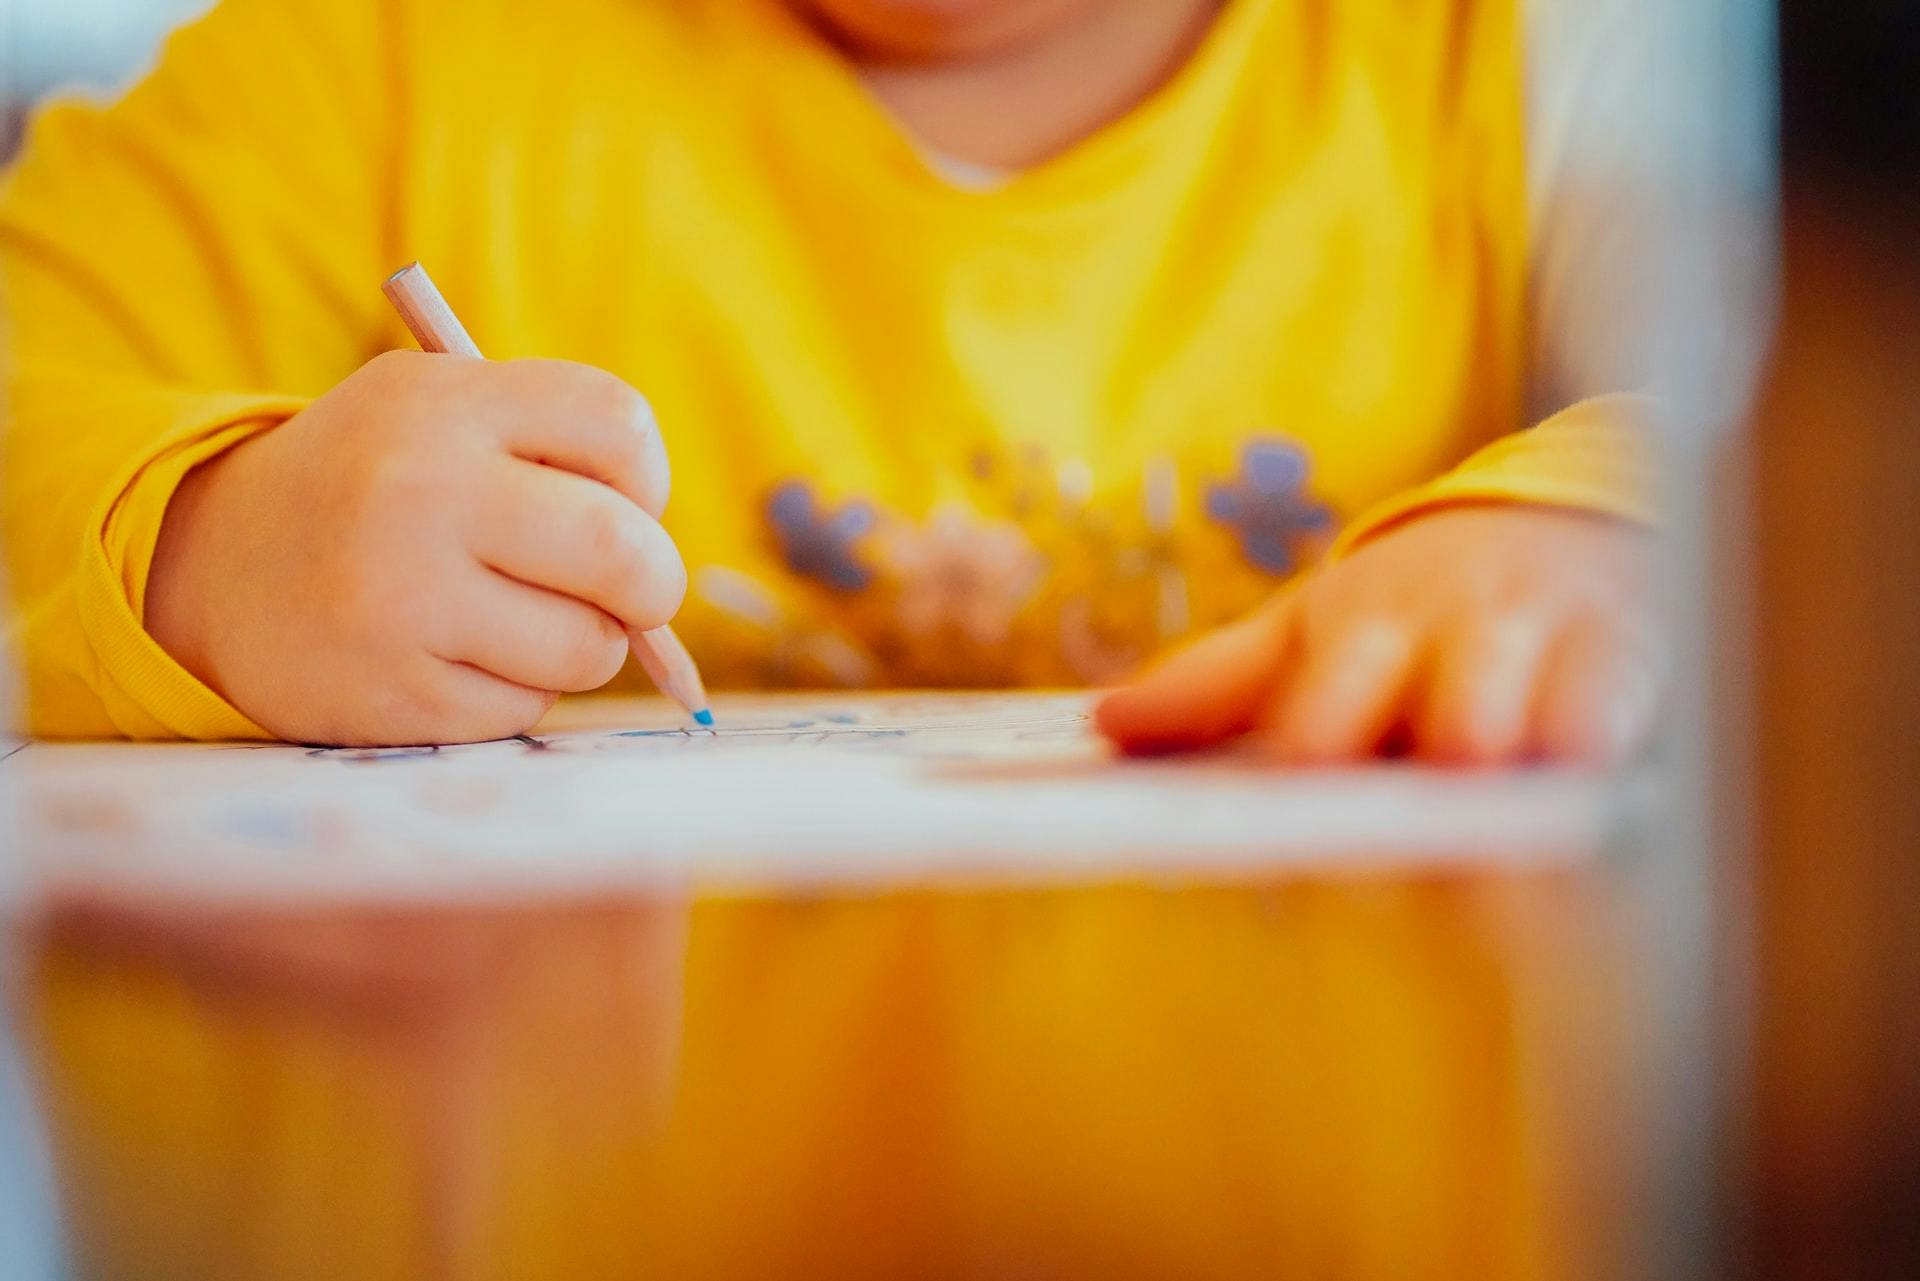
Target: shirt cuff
147,693
1596,456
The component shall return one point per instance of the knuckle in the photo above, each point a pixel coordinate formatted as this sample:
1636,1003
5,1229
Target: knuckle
629,575
590,390
1573,724
411,386
656,474
610,543
598,648
612,402
624,447
618,403
394,365
432,714
664,586
1566,736
1378,629
631,567
412,711
1314,741
520,710
1324,615
402,484
535,373
539,383
405,366
674,593
627,438
1447,733
1477,740
502,712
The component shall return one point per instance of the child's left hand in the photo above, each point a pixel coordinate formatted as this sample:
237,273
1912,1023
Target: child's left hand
1478,635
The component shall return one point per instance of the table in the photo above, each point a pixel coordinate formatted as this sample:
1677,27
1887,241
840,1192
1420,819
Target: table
1373,1025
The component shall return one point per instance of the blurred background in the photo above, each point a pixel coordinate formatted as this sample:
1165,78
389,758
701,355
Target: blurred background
1832,1126
1818,895
46,46
95,45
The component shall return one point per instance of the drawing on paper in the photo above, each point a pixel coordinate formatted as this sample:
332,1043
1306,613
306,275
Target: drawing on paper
938,725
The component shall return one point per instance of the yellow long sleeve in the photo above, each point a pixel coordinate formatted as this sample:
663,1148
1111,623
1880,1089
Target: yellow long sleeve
1597,456
179,270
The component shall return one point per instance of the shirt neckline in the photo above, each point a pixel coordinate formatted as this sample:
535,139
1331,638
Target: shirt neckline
861,134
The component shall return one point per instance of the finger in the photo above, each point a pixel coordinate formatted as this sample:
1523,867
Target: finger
534,637
1597,696
1345,694
571,535
1204,693
1478,704
591,423
434,700
480,706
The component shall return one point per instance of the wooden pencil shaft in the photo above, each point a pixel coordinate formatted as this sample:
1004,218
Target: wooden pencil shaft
426,314
670,667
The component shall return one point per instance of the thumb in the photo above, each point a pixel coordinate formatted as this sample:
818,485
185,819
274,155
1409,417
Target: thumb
1204,693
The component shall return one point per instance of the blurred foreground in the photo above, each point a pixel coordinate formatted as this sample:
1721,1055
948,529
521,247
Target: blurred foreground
1398,1077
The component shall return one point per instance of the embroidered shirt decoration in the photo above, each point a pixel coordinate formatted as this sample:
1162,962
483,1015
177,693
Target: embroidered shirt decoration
817,543
961,573
1268,505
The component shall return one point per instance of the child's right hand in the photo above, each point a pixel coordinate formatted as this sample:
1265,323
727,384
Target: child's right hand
431,552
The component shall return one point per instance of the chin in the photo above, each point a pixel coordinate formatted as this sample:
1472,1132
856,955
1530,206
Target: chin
942,28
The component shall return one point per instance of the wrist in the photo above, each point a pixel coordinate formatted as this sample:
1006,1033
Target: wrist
175,603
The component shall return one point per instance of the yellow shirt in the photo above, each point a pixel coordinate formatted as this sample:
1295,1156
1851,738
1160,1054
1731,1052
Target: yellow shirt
920,434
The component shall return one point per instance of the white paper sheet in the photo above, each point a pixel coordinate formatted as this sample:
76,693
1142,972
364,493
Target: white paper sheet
867,791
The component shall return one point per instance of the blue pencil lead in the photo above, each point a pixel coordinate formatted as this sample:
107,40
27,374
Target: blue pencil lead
705,717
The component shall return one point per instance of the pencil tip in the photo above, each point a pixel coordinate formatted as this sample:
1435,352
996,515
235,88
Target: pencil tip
705,717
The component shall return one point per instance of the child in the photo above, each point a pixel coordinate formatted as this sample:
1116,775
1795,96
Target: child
992,341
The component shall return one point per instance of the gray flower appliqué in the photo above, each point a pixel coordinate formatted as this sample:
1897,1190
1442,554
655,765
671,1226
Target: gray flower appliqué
1268,505
818,543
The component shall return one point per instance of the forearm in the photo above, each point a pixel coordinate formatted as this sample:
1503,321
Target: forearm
167,293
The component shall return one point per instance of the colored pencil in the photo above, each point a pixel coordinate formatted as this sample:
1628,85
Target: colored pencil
435,327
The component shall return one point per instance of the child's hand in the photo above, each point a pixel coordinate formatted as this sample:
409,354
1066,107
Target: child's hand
1475,635
396,565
